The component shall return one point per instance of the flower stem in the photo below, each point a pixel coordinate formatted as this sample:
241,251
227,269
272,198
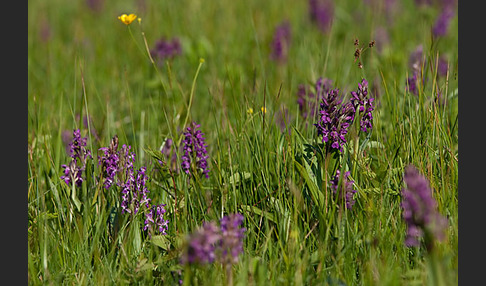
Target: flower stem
150,56
436,271
153,62
191,96
229,275
133,38
326,165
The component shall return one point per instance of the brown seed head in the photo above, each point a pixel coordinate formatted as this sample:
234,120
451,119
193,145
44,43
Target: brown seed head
357,54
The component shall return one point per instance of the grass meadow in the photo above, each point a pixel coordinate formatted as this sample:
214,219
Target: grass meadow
88,70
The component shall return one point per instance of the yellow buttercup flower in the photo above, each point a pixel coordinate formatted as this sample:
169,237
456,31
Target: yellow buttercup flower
127,19
249,111
264,109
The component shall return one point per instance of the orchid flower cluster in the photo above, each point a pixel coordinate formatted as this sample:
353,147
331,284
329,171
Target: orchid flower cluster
364,105
342,187
335,116
118,165
166,49
420,210
321,13
417,63
195,152
79,155
281,42
210,243
306,99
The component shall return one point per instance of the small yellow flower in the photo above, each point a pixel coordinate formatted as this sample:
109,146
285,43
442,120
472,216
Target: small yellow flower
249,111
264,109
139,20
127,19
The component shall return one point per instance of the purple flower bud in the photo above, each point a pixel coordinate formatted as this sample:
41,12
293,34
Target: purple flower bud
77,146
109,162
126,179
442,23
155,220
195,153
442,66
420,210
202,244
232,234
334,118
166,49
134,192
364,105
321,13
79,154
140,193
344,191
412,83
72,173
210,243
281,42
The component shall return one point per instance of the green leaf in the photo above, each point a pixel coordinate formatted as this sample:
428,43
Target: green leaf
75,199
47,215
144,265
113,222
260,212
316,195
153,83
300,136
137,239
161,241
371,190
236,178
57,198
156,154
376,144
